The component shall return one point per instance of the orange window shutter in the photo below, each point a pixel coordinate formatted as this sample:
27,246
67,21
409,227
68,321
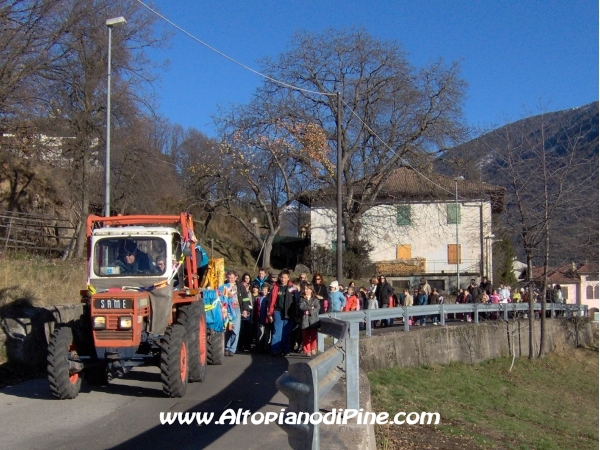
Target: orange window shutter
403,251
454,256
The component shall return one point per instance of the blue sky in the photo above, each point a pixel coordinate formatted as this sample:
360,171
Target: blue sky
515,55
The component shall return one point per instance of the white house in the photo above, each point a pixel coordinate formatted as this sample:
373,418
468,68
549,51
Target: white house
579,283
418,228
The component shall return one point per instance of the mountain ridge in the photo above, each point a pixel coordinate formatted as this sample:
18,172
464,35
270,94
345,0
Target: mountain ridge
568,132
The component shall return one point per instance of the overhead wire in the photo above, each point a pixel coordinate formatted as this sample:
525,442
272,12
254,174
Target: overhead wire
292,87
229,58
403,160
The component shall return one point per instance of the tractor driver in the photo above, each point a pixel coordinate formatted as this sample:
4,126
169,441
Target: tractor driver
134,261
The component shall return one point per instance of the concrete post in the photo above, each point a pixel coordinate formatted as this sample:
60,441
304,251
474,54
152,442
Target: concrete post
352,368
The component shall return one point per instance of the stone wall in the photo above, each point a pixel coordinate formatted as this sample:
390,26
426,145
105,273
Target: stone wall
26,331
469,343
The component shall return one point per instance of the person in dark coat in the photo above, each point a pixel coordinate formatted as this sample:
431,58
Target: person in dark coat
309,307
282,310
384,292
485,285
321,292
134,261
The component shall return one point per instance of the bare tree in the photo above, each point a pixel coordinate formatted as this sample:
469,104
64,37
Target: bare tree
269,163
545,179
30,31
393,112
75,88
145,180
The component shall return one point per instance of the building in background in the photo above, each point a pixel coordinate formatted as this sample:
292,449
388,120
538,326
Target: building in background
579,283
412,227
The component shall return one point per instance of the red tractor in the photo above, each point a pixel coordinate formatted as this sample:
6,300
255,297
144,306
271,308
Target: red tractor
142,306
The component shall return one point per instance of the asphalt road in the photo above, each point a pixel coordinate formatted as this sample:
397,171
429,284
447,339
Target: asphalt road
125,414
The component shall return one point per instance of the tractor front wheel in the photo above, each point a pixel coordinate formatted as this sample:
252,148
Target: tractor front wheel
192,317
64,381
174,361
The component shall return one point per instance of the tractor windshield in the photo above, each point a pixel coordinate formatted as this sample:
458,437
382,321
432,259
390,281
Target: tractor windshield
130,256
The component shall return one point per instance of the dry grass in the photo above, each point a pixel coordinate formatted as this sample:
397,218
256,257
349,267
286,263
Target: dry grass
549,403
40,282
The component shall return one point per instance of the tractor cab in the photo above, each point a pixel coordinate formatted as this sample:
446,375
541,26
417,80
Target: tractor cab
135,256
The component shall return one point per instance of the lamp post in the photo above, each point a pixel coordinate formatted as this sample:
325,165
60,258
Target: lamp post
458,252
110,23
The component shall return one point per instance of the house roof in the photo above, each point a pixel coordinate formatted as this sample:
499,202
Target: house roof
566,274
407,184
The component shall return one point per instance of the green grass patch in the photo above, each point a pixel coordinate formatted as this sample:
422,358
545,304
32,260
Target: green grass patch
551,403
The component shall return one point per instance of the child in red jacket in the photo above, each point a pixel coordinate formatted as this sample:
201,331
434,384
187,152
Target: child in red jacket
351,301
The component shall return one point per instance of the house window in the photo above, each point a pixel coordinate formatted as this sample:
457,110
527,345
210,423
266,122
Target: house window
403,251
565,293
453,213
596,292
589,292
400,285
440,285
403,215
454,254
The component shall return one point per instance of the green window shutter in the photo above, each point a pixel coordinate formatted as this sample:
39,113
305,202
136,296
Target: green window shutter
403,215
453,213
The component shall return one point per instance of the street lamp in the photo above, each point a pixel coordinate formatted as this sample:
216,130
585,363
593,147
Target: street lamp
458,252
110,23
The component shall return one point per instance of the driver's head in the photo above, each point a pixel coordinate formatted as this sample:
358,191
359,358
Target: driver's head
130,251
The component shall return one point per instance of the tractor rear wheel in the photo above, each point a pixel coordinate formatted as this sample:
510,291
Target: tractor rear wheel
215,348
174,361
64,382
192,317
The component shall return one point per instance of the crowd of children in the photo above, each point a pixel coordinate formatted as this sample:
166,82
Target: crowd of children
277,315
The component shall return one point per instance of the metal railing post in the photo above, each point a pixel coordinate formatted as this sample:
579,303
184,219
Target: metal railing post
406,328
352,368
442,316
368,331
320,342
475,313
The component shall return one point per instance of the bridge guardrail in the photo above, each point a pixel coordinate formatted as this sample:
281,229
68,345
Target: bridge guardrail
306,383
368,315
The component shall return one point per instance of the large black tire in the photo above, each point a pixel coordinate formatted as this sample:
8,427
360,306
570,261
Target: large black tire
215,348
193,319
96,375
173,361
63,384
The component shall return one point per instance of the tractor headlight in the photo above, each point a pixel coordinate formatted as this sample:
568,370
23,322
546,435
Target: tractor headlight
125,322
99,323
